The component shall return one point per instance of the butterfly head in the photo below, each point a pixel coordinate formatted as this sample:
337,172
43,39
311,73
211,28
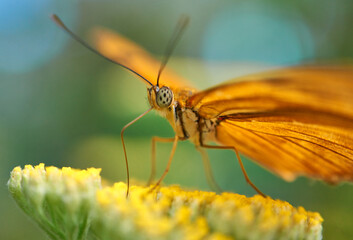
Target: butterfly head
160,98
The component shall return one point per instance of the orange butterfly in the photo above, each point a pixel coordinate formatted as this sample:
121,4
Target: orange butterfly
293,121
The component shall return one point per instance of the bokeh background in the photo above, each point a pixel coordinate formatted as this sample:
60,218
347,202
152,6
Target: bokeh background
62,105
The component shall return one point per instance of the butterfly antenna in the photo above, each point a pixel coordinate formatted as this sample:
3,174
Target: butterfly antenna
178,32
58,21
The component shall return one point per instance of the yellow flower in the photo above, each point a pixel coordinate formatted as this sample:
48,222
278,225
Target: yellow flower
71,204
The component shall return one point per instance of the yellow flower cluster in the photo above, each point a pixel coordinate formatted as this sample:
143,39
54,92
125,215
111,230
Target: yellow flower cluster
172,211
71,204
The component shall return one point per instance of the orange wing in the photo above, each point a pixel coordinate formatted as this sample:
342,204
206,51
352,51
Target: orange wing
296,121
121,49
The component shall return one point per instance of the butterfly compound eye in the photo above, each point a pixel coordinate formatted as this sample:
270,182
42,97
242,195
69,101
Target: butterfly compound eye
164,97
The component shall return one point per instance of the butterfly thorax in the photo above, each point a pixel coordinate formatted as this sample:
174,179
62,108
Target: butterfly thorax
186,122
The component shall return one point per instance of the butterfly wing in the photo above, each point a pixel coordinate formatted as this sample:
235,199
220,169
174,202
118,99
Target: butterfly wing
121,49
296,121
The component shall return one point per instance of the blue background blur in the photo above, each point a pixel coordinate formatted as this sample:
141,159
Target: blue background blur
64,106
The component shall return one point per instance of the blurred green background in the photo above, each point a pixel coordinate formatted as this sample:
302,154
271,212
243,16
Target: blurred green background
62,105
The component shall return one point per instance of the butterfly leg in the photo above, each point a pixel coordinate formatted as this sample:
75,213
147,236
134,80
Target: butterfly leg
124,148
175,139
240,163
208,171
153,156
